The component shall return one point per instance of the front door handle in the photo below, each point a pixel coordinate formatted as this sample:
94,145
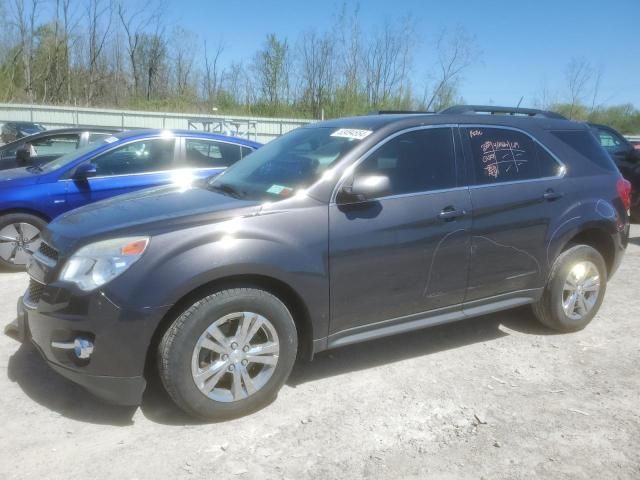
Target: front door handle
551,195
450,213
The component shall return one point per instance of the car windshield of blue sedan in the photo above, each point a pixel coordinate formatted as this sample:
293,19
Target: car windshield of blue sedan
288,164
70,157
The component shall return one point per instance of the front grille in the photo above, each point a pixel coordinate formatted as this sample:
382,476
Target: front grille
34,292
48,252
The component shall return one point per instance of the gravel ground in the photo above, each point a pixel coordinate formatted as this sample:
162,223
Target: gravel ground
493,397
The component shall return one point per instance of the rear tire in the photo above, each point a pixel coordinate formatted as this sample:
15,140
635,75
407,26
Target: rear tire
19,239
228,354
575,290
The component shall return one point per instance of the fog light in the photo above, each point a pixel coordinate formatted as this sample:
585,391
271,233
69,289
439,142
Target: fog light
82,347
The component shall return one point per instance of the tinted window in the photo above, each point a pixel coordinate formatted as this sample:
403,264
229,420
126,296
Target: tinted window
138,157
245,151
416,161
501,155
58,145
584,143
549,166
97,137
208,153
611,141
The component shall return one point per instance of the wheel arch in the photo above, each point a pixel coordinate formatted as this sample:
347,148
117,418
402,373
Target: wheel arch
27,211
599,239
281,290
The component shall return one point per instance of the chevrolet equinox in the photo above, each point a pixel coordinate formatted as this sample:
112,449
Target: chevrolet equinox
335,233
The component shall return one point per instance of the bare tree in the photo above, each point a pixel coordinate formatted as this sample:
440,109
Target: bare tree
271,66
96,12
212,74
134,22
455,53
578,74
348,31
598,72
386,63
24,19
183,51
317,70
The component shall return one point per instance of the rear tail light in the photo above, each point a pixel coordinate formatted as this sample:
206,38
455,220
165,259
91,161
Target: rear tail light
624,192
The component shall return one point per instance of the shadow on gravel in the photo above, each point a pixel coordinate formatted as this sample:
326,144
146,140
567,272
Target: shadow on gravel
29,370
44,386
415,344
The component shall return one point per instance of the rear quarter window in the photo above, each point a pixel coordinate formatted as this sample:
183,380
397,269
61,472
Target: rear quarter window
585,143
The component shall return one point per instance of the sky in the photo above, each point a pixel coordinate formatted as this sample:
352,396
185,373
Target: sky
524,44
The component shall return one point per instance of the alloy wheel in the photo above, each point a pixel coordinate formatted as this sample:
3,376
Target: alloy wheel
235,356
581,290
18,241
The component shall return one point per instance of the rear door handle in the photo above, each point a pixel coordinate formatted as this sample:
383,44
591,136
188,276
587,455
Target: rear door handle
551,195
450,213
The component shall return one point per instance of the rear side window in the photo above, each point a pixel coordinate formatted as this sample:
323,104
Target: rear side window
584,143
210,154
502,155
416,161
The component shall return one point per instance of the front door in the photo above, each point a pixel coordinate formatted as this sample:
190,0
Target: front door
407,252
136,165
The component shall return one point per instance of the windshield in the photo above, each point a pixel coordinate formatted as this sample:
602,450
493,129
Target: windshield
67,158
287,164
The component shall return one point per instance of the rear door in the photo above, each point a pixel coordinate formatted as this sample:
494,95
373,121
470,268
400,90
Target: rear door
133,166
517,187
406,252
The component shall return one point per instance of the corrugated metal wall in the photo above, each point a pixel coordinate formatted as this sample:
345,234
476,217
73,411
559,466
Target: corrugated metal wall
255,128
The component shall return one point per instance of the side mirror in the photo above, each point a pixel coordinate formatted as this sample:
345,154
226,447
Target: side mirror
85,171
368,186
23,155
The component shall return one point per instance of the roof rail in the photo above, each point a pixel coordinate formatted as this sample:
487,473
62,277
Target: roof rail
493,110
399,112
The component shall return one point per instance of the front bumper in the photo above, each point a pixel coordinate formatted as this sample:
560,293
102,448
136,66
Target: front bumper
121,337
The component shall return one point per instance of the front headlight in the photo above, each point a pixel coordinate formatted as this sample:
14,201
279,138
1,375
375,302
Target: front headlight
98,263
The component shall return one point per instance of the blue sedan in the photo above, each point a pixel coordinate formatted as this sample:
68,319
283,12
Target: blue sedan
30,197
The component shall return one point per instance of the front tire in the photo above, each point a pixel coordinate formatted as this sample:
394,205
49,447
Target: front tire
575,290
228,354
19,239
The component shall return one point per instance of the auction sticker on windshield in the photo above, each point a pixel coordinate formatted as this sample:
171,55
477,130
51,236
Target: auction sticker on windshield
354,133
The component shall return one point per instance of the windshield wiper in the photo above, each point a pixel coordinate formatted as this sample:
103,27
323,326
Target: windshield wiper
227,189
34,168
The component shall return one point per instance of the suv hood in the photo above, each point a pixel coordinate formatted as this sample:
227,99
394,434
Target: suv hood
145,212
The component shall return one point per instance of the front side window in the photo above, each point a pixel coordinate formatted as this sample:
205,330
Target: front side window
57,145
143,156
210,154
417,161
287,164
503,155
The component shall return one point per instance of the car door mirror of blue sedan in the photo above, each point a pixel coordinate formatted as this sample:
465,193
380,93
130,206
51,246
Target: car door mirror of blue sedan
85,171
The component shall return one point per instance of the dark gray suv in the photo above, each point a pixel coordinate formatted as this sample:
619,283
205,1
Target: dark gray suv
336,233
